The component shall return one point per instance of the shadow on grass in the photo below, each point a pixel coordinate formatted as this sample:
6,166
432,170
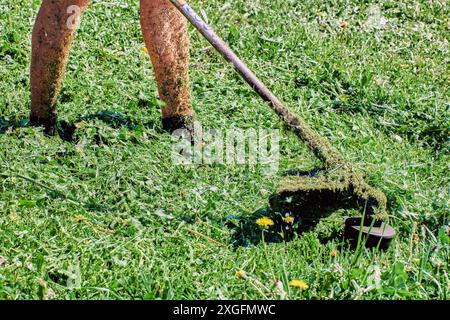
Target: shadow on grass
13,122
293,214
288,219
67,130
286,227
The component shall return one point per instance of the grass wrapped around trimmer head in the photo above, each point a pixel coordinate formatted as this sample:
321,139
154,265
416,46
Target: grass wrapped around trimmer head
317,196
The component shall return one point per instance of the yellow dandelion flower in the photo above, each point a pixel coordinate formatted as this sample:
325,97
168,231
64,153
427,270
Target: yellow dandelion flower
334,253
289,219
240,274
302,285
265,222
144,49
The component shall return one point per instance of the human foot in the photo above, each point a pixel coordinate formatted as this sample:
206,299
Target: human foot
178,122
48,123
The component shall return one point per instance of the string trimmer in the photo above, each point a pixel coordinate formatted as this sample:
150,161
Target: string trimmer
338,185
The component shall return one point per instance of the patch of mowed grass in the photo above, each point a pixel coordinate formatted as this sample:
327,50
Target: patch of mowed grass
110,216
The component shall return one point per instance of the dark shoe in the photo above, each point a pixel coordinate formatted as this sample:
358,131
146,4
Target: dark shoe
49,123
178,123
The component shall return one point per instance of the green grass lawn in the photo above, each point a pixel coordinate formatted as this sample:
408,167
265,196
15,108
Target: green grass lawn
110,216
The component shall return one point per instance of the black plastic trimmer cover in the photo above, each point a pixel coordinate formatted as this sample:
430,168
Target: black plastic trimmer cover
374,233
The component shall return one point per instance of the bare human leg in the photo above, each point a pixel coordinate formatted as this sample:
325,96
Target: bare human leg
166,38
52,38
165,34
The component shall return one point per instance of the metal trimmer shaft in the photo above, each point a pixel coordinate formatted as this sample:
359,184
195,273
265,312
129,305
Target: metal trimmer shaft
320,146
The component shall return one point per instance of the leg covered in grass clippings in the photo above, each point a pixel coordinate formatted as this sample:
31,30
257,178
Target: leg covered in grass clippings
166,38
51,41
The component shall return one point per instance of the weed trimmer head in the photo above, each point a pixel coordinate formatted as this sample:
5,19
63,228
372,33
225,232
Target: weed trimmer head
344,187
313,197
